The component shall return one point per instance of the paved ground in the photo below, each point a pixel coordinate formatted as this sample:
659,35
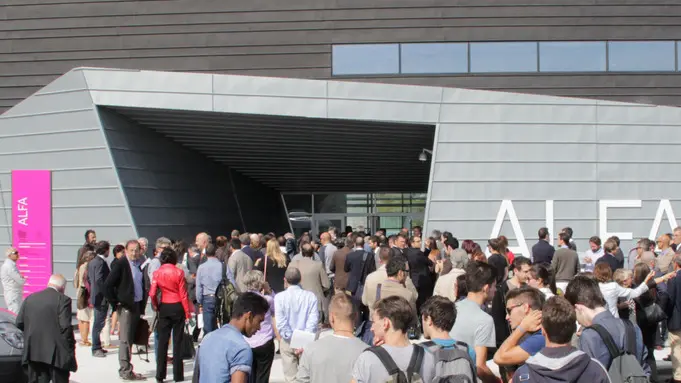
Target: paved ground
106,370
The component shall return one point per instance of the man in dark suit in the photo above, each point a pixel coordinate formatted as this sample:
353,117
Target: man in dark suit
126,290
542,251
399,245
49,344
358,264
97,272
420,272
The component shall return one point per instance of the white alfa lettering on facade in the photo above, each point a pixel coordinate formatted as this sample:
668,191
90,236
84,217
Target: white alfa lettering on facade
22,208
506,207
663,207
603,206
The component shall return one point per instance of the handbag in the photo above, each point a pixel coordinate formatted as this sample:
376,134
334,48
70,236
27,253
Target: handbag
187,350
82,299
142,333
653,313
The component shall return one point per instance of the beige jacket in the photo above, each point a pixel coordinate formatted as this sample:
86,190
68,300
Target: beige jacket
379,276
240,263
446,284
313,279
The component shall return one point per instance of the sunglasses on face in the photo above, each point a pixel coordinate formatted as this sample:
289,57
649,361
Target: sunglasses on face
509,309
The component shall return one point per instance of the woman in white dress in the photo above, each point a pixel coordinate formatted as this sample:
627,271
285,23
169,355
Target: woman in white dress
84,313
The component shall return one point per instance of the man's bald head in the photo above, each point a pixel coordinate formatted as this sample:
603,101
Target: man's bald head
325,237
202,240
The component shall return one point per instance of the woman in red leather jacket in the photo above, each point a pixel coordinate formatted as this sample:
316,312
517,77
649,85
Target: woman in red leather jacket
173,312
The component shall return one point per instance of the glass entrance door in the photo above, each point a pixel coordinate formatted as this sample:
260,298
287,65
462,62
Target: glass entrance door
363,212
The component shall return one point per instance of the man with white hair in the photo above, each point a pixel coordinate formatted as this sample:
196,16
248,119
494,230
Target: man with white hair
155,263
144,246
12,281
202,240
49,343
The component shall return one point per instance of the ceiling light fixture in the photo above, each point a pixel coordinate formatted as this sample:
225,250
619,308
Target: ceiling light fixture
423,157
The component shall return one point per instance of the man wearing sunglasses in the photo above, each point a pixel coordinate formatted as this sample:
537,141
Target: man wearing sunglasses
523,313
12,281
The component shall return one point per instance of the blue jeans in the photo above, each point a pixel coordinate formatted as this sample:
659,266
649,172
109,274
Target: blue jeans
209,320
98,325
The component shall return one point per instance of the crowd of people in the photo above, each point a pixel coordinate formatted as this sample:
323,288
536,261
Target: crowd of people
554,315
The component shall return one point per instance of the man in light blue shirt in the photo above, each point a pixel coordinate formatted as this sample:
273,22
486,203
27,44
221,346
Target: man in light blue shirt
208,278
224,355
294,309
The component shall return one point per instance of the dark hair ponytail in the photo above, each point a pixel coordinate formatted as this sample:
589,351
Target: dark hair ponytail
546,275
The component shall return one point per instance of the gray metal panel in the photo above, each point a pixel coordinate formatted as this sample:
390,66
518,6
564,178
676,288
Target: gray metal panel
58,130
171,191
529,149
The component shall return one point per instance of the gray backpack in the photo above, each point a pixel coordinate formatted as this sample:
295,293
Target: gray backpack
452,365
395,374
624,366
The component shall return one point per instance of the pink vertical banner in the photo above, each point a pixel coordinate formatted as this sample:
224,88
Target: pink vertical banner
32,226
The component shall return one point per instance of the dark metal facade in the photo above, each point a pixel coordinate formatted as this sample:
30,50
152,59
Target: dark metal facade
42,39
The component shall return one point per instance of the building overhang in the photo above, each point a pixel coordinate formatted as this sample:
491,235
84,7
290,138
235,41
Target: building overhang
293,135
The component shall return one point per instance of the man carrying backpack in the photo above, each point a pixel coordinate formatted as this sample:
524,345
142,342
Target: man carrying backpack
454,361
560,362
616,343
394,358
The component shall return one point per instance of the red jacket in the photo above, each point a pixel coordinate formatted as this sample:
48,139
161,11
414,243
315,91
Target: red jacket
173,287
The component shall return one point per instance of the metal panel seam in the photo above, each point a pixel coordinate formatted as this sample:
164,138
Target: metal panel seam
236,198
283,201
95,109
426,214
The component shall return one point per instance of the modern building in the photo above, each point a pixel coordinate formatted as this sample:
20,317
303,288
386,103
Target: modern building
304,114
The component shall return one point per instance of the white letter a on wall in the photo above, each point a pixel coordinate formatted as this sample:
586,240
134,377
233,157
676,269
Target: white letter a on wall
507,207
664,207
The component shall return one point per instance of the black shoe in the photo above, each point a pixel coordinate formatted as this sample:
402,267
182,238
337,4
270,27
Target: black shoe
99,354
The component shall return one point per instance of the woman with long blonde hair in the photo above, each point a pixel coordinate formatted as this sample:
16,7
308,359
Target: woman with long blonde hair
273,265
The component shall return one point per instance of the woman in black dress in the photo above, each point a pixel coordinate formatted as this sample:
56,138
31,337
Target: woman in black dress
273,265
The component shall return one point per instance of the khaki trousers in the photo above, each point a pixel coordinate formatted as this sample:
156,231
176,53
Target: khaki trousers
675,339
289,361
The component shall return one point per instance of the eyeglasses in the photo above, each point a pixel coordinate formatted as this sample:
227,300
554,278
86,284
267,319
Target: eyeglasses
509,309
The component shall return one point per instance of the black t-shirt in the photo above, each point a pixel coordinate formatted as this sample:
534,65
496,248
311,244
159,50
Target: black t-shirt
275,274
